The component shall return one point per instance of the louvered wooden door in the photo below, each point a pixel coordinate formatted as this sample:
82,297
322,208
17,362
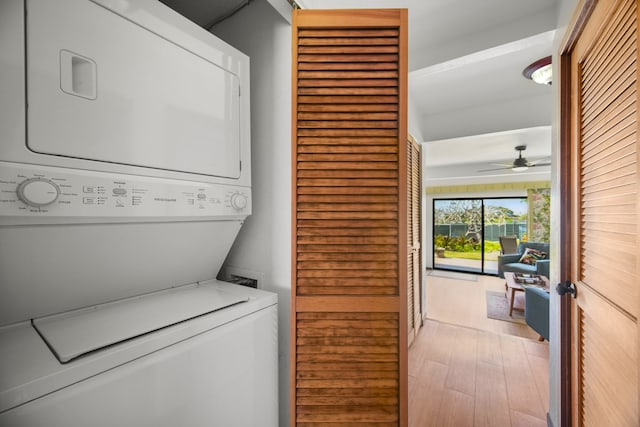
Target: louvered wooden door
414,233
349,299
604,218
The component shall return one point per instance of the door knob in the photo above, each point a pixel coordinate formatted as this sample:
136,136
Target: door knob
566,288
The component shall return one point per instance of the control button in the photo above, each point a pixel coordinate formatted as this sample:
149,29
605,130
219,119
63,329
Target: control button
38,192
88,200
119,191
238,201
202,196
88,189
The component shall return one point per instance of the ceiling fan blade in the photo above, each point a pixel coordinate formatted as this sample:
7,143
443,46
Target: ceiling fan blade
537,161
496,169
539,164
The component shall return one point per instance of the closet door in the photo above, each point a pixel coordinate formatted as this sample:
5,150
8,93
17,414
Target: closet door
414,234
349,271
604,226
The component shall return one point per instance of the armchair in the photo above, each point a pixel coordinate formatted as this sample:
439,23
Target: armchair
536,310
511,262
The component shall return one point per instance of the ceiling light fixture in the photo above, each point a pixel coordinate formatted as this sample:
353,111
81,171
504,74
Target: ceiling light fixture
539,71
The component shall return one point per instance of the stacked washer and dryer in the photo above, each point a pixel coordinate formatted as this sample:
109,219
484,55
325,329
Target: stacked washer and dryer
124,180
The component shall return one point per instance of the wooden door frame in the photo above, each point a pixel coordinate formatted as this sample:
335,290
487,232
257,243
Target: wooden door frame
566,173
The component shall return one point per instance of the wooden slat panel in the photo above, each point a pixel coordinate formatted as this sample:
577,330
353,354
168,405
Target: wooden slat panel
348,41
304,110
348,258
336,198
347,34
615,88
607,399
616,126
365,384
357,225
346,281
347,83
351,142
601,56
324,116
327,48
374,90
348,207
619,131
609,160
344,99
348,66
348,132
414,236
627,99
342,74
326,231
355,174
347,215
605,218
621,61
362,59
329,182
351,149
346,265
362,160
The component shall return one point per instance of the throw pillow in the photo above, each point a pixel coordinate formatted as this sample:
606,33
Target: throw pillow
531,256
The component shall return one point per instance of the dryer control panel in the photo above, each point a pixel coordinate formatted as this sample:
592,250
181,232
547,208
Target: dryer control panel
28,191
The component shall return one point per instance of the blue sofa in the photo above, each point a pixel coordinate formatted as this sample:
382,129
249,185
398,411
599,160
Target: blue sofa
536,310
510,262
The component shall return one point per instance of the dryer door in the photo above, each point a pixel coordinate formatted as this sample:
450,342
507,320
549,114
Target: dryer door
101,87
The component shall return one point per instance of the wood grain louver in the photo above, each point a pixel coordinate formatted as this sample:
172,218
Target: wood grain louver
605,226
349,269
414,233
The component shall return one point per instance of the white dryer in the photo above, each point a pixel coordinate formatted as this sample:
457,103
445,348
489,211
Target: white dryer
124,180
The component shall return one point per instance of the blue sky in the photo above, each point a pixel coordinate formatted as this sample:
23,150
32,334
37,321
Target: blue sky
518,206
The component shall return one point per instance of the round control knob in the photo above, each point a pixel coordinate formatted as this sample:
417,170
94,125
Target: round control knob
38,192
238,201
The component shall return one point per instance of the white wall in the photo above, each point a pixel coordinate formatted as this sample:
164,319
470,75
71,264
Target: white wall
263,246
413,120
488,118
427,53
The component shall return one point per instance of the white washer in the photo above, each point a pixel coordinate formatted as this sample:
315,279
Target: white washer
215,369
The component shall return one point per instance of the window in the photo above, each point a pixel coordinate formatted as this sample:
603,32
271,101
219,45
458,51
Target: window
466,231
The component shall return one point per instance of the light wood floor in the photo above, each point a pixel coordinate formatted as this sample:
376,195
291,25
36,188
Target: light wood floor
478,374
463,303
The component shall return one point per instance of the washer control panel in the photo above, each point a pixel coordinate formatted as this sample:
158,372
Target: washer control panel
41,191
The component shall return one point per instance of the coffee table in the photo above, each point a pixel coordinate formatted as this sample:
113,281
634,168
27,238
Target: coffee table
512,286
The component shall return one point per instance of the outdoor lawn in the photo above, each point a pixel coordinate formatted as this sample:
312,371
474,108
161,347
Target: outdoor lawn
475,255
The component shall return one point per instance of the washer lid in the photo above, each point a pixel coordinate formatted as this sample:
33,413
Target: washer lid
73,334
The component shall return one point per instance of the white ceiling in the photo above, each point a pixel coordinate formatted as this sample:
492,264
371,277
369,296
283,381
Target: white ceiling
470,105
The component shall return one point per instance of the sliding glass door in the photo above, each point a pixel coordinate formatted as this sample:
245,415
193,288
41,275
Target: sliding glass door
502,217
466,231
457,231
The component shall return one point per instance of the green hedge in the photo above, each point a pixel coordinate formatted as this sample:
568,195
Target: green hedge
462,244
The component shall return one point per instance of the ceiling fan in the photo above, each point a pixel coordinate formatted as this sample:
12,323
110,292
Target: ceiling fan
520,164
